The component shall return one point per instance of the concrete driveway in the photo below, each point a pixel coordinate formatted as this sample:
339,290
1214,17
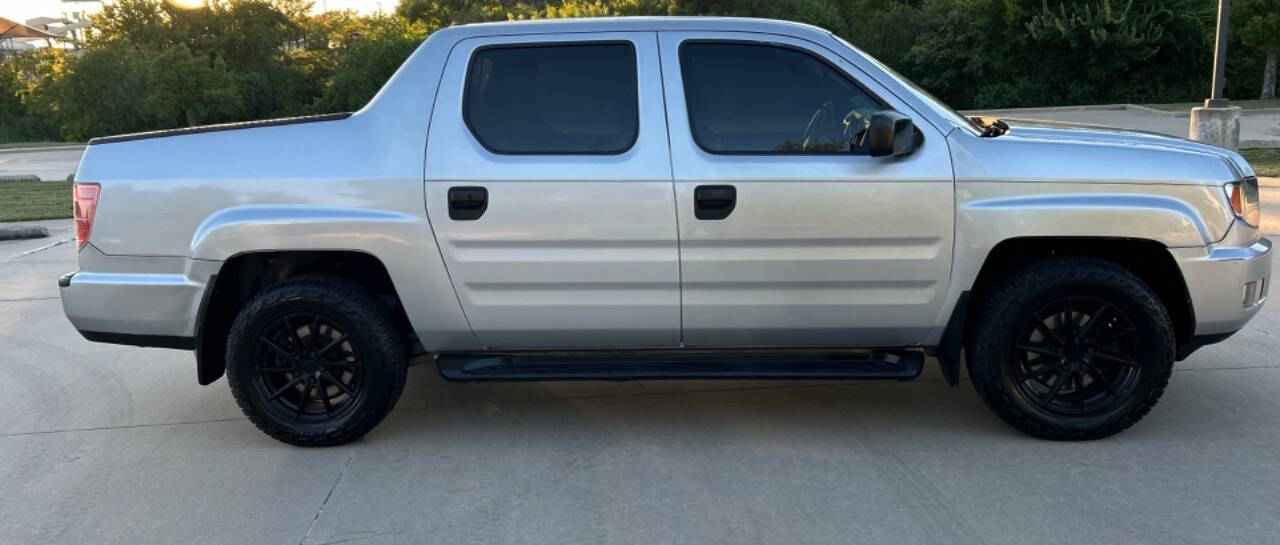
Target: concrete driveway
106,444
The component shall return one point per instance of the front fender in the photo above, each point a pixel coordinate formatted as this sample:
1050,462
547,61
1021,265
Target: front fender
988,213
1172,221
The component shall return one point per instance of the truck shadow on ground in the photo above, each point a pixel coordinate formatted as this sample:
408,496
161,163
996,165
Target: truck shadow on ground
1199,403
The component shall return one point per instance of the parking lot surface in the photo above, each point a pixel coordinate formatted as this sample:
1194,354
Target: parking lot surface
107,444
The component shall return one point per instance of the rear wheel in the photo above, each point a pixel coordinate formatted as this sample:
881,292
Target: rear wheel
1071,348
315,361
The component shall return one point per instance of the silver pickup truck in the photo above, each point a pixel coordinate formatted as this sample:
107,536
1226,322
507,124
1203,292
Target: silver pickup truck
645,198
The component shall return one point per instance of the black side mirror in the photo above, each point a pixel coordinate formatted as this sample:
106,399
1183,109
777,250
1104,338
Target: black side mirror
892,134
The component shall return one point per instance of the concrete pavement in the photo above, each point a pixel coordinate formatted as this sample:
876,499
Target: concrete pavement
54,163
107,444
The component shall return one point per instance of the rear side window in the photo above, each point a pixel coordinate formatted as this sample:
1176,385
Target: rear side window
749,98
553,99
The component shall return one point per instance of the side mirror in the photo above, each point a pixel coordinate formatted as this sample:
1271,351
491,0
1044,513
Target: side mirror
892,134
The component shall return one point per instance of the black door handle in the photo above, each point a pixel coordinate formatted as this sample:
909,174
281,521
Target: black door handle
714,202
467,203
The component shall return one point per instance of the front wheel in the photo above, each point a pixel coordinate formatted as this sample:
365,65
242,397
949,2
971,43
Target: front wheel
315,361
1071,348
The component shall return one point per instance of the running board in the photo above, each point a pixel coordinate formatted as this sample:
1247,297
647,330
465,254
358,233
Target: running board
637,365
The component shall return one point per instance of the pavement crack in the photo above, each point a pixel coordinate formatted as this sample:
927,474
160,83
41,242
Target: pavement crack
1232,368
320,511
20,299
40,249
125,427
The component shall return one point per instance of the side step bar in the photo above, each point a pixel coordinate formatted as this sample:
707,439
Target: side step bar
636,365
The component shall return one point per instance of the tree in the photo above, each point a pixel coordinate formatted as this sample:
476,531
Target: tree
1261,30
187,90
104,91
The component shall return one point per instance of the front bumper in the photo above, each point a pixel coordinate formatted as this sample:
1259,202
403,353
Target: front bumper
1228,284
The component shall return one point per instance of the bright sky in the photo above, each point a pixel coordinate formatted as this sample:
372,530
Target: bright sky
21,10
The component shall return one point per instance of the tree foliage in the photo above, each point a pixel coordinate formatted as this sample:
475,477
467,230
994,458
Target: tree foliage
150,65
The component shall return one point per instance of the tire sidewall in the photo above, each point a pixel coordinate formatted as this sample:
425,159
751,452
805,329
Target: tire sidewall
995,358
379,364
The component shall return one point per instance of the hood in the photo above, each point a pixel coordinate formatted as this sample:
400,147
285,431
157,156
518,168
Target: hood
1061,131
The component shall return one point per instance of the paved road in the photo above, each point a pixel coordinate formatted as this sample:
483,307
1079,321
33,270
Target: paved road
105,444
48,164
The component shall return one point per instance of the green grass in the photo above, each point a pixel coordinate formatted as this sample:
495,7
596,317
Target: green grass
1244,104
25,201
1265,162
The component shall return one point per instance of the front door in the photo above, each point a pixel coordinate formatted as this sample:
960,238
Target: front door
548,186
790,233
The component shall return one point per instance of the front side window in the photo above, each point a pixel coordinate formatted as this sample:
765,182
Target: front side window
768,99
553,99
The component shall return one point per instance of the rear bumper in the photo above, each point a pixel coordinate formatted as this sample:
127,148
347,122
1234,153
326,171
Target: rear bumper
158,309
1228,284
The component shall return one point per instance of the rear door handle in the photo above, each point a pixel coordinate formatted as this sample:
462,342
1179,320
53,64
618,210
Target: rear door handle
467,203
714,202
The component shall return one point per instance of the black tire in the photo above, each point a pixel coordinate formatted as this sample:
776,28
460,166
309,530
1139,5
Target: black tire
1024,356
316,361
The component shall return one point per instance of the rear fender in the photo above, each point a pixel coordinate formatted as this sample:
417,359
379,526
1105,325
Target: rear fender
403,243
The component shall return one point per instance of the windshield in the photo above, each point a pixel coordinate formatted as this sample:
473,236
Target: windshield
929,100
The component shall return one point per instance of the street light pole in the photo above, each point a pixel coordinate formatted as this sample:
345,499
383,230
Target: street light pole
1216,98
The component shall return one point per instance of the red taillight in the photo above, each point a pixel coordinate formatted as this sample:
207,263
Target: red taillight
86,203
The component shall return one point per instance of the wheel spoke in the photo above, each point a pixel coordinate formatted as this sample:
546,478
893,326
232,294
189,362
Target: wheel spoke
345,389
333,343
315,332
293,334
341,365
275,348
273,369
1094,320
1078,379
1112,337
1101,377
1043,371
1039,350
1115,359
1057,387
1044,330
286,387
324,396
1069,319
306,398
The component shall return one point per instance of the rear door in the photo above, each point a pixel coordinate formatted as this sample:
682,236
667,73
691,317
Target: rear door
790,235
548,186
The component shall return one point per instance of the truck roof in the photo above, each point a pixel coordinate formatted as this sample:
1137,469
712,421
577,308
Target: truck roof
635,24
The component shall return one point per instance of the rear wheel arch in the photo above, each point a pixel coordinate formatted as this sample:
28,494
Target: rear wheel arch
244,275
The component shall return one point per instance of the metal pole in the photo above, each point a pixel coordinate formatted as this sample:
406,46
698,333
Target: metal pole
1216,98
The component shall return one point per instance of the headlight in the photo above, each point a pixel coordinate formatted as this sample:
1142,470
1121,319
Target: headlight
1243,196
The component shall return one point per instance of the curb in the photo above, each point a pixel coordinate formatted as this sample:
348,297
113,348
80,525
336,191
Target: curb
43,148
21,232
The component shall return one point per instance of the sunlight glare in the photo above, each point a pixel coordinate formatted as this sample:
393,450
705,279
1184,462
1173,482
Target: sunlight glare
186,4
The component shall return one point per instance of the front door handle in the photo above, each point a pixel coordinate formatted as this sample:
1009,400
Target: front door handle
714,202
467,203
